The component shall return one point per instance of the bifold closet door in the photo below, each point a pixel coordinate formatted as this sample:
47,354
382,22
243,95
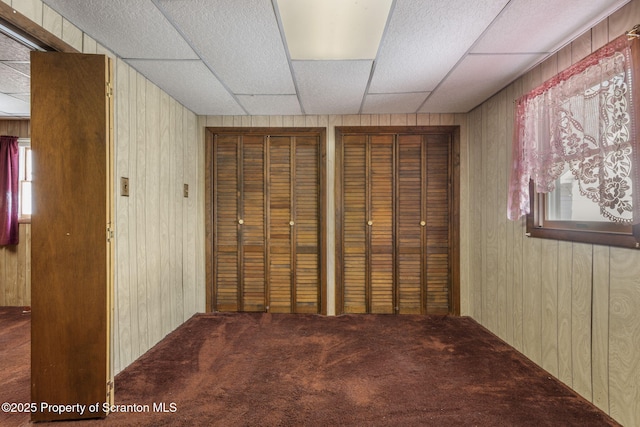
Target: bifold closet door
240,223
394,229
71,234
266,196
368,224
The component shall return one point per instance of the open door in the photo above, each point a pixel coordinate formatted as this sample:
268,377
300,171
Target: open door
71,139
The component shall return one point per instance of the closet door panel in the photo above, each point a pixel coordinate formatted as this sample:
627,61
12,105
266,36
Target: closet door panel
226,216
266,242
280,229
381,267
354,224
72,247
399,183
437,217
252,249
409,217
307,225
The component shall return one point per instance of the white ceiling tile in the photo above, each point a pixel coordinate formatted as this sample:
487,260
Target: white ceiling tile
12,80
425,39
265,105
332,87
476,79
528,26
239,39
206,97
12,106
381,103
11,50
130,28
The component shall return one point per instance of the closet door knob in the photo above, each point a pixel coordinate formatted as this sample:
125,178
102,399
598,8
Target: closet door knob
422,223
291,223
370,222
240,221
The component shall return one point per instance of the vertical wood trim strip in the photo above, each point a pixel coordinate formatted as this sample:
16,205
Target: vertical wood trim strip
267,220
368,228
339,213
424,178
395,220
292,228
240,192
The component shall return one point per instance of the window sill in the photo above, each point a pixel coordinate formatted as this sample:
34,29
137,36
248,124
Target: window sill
624,240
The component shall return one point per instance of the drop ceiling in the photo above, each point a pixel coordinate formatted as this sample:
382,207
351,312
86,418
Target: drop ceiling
222,57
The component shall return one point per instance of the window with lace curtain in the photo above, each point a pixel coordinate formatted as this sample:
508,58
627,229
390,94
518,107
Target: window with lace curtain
576,161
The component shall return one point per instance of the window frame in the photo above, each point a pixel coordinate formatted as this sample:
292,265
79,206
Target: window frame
24,174
599,233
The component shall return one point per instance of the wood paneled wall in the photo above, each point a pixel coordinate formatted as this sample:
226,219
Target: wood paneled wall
159,256
572,308
159,251
330,122
15,260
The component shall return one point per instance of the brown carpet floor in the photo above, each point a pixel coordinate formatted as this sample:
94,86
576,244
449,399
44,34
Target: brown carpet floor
369,370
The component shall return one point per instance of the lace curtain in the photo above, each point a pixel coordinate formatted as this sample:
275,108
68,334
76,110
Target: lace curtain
583,119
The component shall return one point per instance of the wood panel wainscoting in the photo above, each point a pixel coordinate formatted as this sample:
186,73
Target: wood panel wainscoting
397,207
265,231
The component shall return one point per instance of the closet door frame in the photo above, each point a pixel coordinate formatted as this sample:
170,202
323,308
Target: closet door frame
454,226
210,133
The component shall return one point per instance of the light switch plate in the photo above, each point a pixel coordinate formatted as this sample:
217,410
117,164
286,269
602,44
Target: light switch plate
124,186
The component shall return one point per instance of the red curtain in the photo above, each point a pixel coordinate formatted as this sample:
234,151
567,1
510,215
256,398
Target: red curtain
9,188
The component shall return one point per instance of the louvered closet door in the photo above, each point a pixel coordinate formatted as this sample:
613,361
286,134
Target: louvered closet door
395,223
280,228
240,223
438,241
368,224
294,224
252,230
410,236
266,222
354,242
380,224
307,225
226,222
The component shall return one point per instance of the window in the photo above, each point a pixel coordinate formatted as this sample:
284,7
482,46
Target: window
576,152
25,177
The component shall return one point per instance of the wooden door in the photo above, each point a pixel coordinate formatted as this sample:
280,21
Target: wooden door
396,250
368,224
71,128
266,239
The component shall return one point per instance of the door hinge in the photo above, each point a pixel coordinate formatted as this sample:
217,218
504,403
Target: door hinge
109,90
109,233
109,397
